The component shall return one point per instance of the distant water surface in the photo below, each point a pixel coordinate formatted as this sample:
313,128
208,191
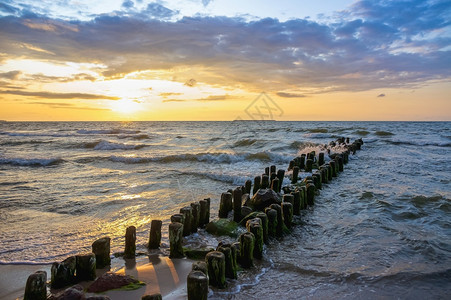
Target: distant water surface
381,229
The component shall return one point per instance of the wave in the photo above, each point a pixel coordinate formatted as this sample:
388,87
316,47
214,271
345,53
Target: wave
35,134
244,142
106,145
232,179
108,131
361,132
318,135
383,133
19,143
32,162
135,136
419,143
28,263
205,157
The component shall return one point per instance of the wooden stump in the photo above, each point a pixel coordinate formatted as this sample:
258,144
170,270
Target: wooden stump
204,206
85,267
247,244
333,167
63,274
230,260
36,288
200,266
302,161
280,175
237,195
187,212
264,218
225,205
310,194
130,242
296,203
101,248
317,180
287,210
175,240
197,286
295,174
320,158
155,234
288,198
275,184
309,165
265,182
257,183
279,228
247,186
196,216
216,268
255,227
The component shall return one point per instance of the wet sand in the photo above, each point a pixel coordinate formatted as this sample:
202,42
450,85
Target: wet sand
160,273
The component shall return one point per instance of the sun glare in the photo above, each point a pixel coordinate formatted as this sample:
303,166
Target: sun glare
125,106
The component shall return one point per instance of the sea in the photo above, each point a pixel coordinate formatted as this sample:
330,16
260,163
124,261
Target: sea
381,230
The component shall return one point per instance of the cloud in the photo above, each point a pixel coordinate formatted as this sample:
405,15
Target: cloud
172,100
12,75
215,98
169,94
50,95
206,2
388,44
128,4
290,95
380,95
67,106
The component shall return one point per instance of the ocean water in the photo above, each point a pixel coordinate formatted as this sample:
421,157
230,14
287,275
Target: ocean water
382,229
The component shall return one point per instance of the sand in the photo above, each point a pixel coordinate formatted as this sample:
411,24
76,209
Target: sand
160,273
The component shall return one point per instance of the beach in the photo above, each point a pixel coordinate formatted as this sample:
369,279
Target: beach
379,230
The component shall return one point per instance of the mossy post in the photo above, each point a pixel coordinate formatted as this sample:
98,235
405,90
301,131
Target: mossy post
324,176
130,242
36,288
178,218
247,243
101,248
280,175
203,213
320,158
265,182
230,260
288,198
264,218
85,267
255,227
272,169
155,234
196,216
187,212
287,210
267,171
317,180
275,184
225,205
302,161
303,197
207,218
216,268
63,274
175,240
329,172
310,194
279,227
333,167
296,203
257,183
291,165
247,186
309,165
197,286
295,174
339,160
200,266
237,195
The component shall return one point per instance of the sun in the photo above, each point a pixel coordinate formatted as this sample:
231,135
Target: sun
126,106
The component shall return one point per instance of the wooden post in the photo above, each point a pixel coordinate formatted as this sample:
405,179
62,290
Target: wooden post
200,266
288,198
265,182
155,234
237,195
280,175
247,243
86,267
317,180
303,197
216,268
264,218
36,288
248,186
291,165
63,274
175,240
178,218
320,158
272,169
279,228
310,194
334,170
296,202
255,226
295,174
257,183
187,211
130,242
204,206
287,209
272,221
196,216
309,165
267,171
275,184
302,161
230,260
101,248
329,172
197,286
225,205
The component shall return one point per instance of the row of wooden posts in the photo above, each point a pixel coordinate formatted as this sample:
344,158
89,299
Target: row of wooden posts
223,262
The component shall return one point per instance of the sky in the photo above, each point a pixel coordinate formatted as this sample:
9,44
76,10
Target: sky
84,60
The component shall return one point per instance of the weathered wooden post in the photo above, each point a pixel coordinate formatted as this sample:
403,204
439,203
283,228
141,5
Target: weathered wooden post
264,218
280,175
334,170
320,158
317,180
245,210
230,260
63,274
175,240
248,186
130,242
324,176
329,172
257,183
291,165
296,202
197,286
225,205
302,161
187,212
309,165
267,171
272,221
178,218
295,174
279,228
196,216
310,194
101,248
272,169
339,160
237,195
288,198
200,266
265,181
287,209
275,184
216,268
155,234
255,226
247,244
36,288
204,206
85,268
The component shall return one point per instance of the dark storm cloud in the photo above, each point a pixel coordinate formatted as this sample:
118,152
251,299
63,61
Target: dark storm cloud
375,44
